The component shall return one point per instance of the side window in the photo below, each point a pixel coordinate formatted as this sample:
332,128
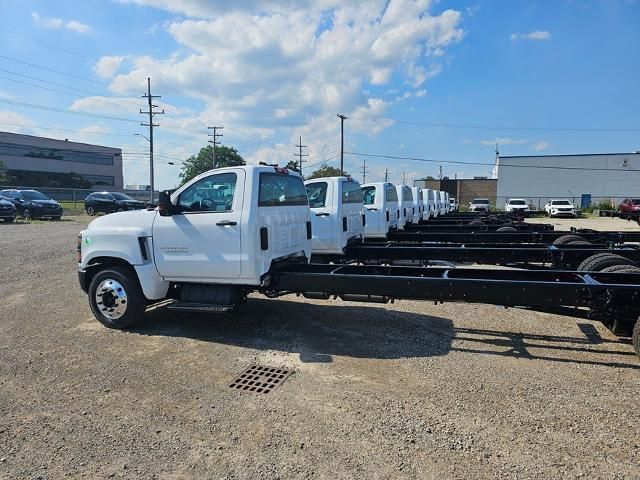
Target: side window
391,194
369,195
209,194
278,190
317,193
351,192
407,196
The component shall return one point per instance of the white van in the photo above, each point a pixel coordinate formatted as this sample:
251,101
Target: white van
418,205
380,209
405,201
336,213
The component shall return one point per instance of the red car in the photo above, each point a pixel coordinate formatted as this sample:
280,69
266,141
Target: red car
630,205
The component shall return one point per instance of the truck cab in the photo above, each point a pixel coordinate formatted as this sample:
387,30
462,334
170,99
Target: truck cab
405,201
381,209
337,214
442,202
211,241
429,203
418,205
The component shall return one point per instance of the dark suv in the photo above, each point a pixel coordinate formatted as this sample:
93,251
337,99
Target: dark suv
8,211
108,202
33,204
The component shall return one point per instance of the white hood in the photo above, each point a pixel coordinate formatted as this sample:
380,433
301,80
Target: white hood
139,219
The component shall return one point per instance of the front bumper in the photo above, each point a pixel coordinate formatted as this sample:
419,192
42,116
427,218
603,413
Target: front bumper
82,278
41,212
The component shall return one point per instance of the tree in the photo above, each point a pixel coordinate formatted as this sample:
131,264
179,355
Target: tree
326,171
203,161
293,165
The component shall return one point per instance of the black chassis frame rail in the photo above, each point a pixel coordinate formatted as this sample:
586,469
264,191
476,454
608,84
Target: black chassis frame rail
610,237
613,298
466,227
559,256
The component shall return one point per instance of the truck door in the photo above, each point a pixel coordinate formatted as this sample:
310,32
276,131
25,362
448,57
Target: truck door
322,215
202,241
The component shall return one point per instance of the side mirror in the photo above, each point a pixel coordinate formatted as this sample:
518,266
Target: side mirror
164,204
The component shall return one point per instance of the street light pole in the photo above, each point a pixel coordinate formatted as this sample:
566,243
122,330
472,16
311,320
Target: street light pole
342,119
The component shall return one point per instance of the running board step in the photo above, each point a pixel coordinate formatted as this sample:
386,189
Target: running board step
200,307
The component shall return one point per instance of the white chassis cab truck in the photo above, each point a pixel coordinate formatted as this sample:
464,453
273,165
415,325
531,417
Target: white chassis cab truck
418,205
214,240
381,209
337,214
405,200
429,202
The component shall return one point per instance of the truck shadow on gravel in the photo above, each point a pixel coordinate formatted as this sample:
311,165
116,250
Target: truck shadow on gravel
315,332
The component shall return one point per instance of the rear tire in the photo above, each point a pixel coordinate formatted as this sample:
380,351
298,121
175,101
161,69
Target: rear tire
90,211
635,338
26,214
621,269
116,298
506,229
476,222
600,261
566,239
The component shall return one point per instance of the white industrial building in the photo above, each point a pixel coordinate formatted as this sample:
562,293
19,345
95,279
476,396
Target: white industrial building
538,178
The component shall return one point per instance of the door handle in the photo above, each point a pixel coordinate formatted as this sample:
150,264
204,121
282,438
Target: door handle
225,223
322,214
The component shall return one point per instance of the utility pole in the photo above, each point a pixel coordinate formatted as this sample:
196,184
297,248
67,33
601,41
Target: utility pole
404,178
215,142
440,172
342,119
364,171
151,114
386,174
300,154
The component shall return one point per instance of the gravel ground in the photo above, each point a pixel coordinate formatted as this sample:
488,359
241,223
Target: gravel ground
409,390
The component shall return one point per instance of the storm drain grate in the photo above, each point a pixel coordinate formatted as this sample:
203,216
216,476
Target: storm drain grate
260,379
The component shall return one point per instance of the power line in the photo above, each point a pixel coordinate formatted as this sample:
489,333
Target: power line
70,112
550,167
517,128
62,49
59,72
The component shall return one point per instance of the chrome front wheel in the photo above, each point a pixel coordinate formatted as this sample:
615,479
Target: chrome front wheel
111,299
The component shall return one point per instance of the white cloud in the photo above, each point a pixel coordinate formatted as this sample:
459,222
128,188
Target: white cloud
13,122
57,23
107,66
235,59
541,145
502,141
536,35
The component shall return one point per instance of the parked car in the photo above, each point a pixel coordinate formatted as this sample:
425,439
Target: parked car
8,211
629,205
557,208
516,205
480,205
33,204
108,202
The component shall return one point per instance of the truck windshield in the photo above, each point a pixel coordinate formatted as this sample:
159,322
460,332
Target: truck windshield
369,195
636,201
210,194
277,190
481,201
560,202
317,193
351,192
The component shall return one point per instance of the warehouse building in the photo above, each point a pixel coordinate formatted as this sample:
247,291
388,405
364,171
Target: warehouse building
598,177
24,156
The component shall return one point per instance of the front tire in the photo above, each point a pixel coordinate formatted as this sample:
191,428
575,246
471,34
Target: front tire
26,214
116,298
90,211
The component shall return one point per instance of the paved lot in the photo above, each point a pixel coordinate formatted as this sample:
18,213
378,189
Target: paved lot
409,390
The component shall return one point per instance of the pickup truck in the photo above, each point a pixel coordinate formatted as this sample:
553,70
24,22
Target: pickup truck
337,214
381,209
210,242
